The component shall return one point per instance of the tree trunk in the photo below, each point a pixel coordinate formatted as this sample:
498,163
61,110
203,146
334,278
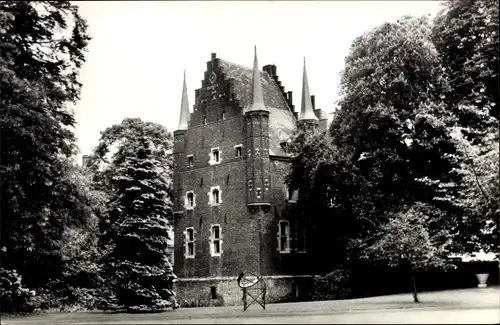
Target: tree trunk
415,293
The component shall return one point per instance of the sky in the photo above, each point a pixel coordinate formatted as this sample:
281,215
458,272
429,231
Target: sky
139,50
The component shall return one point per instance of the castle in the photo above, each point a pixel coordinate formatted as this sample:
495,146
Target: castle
232,210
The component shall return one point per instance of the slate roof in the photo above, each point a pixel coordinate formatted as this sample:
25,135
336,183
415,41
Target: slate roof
281,118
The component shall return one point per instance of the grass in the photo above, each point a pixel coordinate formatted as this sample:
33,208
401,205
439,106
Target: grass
444,300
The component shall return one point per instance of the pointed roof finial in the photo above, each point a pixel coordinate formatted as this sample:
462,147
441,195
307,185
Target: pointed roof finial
184,116
306,108
257,96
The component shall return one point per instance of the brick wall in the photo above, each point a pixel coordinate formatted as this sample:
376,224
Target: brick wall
239,230
198,293
249,236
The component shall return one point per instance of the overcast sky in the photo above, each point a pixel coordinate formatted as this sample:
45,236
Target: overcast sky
139,49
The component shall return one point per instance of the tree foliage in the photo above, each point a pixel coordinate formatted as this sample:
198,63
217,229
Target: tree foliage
138,181
389,145
465,34
42,47
415,135
407,240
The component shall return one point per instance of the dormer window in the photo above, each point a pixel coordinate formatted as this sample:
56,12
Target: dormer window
214,156
190,161
214,196
238,151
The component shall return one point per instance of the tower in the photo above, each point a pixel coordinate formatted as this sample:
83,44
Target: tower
257,144
179,148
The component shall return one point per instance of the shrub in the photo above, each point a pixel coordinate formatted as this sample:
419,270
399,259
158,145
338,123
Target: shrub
13,296
334,285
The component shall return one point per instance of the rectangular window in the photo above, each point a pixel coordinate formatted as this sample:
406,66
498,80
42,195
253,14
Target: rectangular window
190,161
189,242
189,202
284,236
214,196
301,237
216,240
238,150
215,156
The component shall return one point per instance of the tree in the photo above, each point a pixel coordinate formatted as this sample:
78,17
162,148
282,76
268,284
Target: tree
42,46
405,240
389,144
465,34
480,195
137,178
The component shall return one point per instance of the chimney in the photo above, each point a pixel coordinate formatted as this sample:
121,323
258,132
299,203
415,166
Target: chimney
85,160
290,98
271,70
313,101
318,113
214,56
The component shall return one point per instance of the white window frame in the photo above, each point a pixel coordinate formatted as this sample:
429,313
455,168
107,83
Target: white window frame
285,236
211,156
187,161
186,200
240,146
213,240
211,200
188,241
258,192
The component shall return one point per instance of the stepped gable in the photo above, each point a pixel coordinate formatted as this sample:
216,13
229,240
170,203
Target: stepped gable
281,118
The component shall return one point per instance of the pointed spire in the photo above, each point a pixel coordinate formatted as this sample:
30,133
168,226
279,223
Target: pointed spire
257,96
306,108
184,116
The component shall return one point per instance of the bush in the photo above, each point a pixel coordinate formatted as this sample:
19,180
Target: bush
13,296
334,285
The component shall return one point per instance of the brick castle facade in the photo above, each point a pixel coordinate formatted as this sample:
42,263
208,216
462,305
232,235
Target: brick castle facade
232,210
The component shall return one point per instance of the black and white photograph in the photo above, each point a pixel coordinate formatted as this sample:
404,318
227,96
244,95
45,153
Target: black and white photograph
256,162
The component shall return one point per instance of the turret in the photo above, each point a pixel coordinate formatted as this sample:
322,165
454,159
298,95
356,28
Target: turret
307,120
257,145
179,146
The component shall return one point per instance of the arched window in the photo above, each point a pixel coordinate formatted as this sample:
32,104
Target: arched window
204,120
